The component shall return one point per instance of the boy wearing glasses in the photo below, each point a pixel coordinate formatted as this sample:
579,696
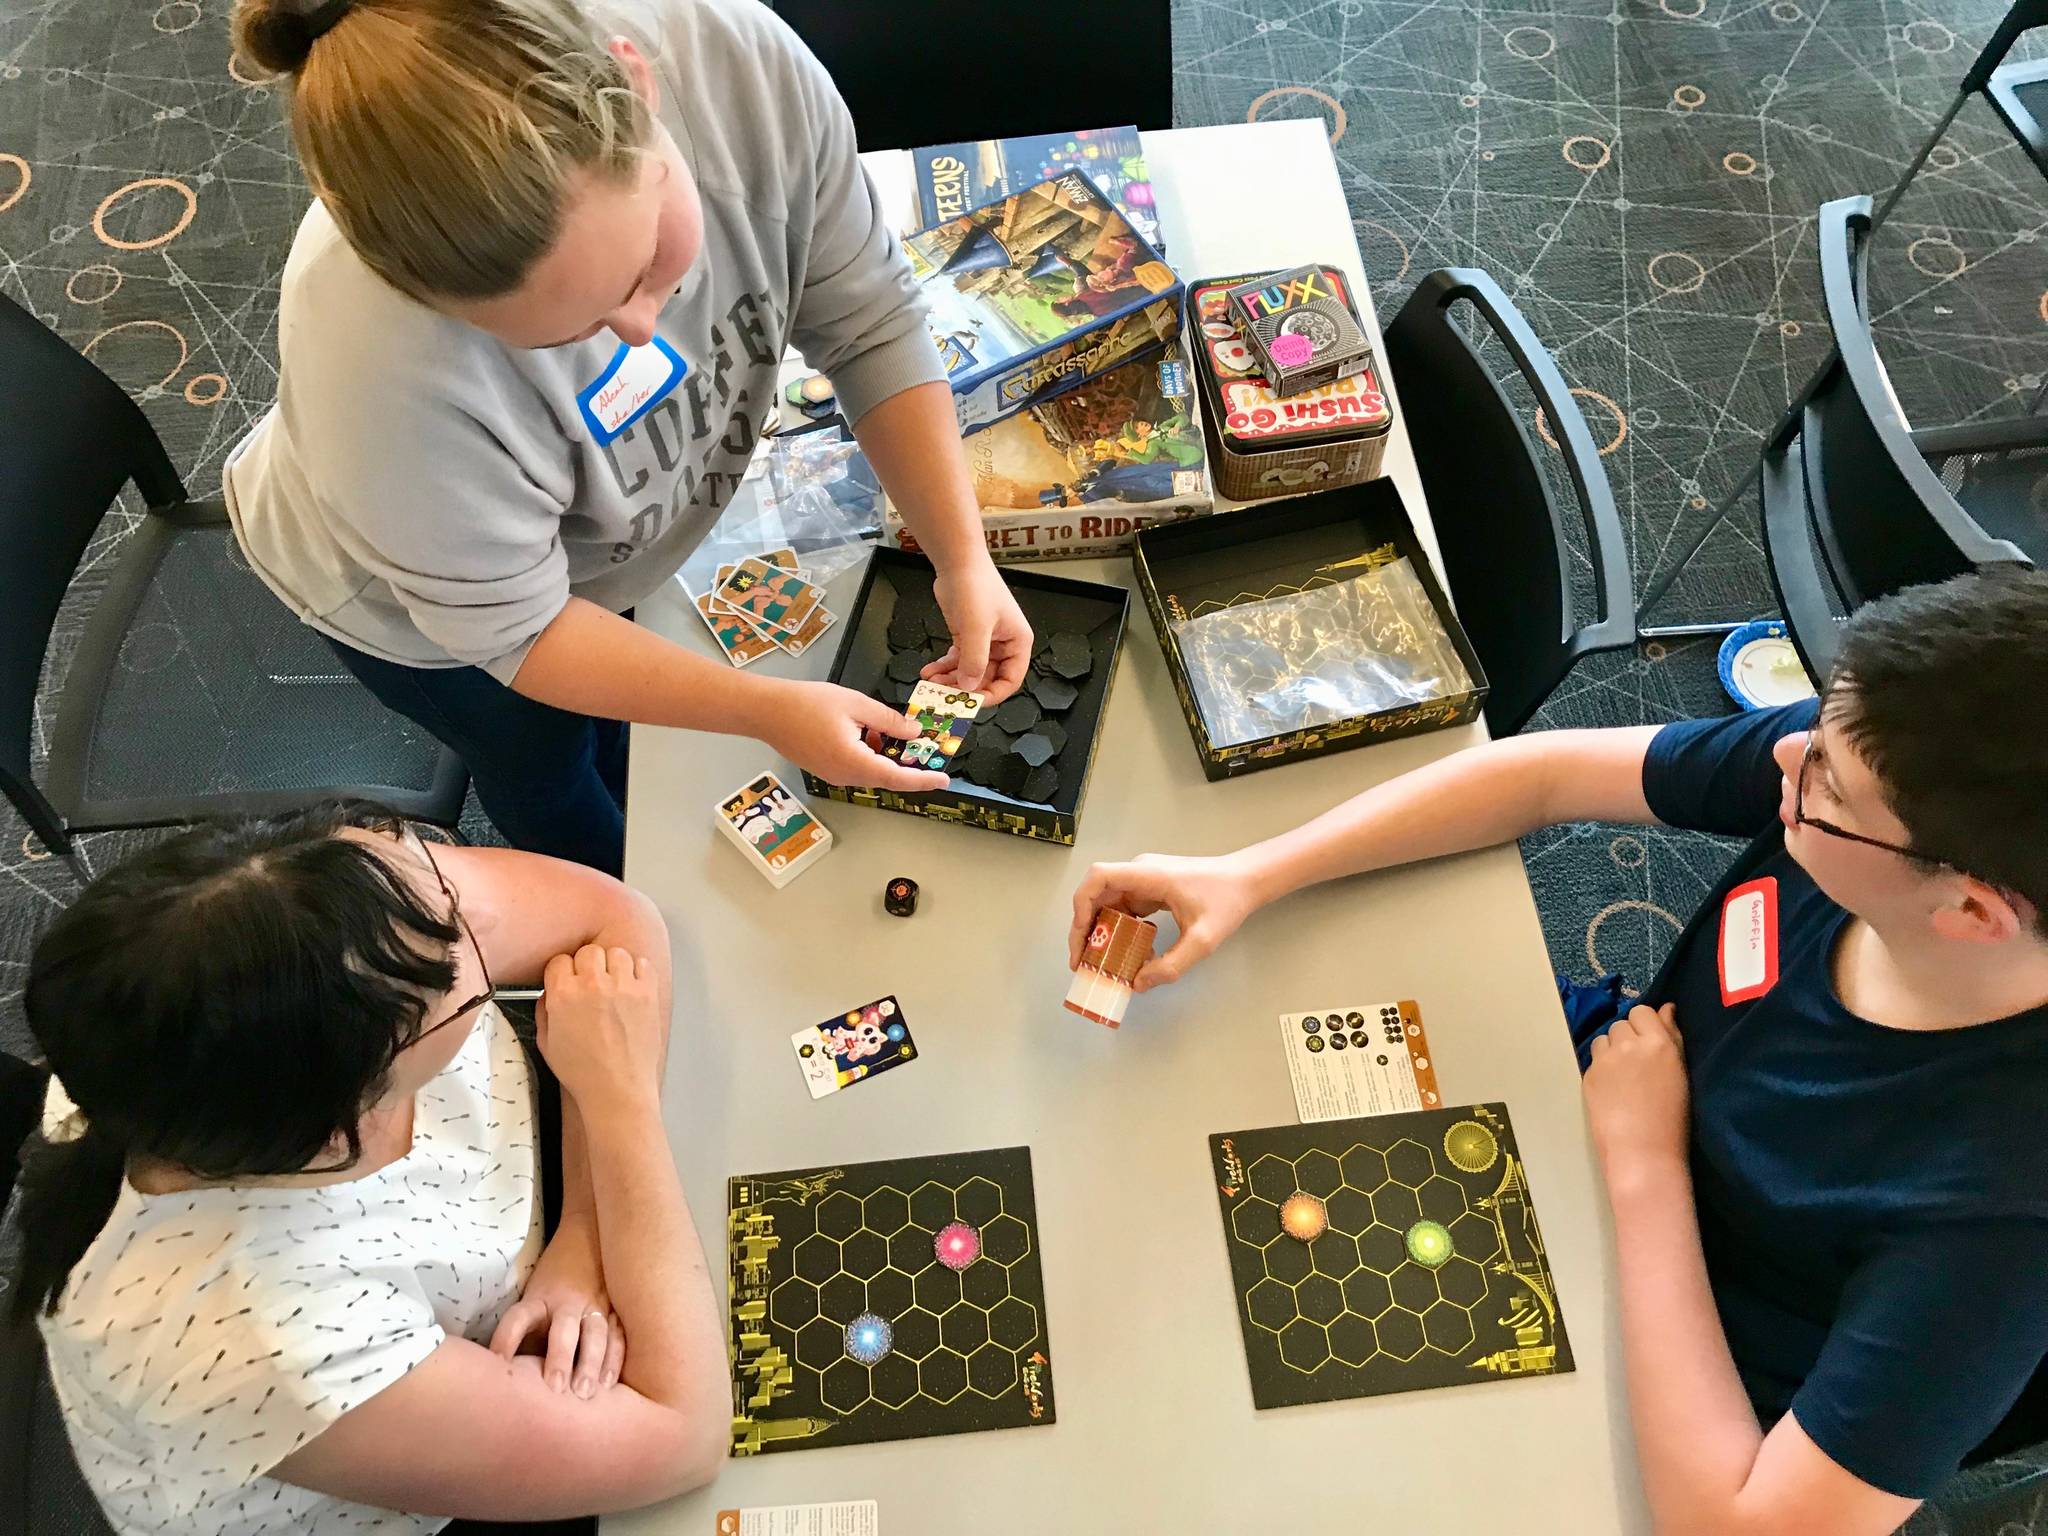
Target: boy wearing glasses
1820,1126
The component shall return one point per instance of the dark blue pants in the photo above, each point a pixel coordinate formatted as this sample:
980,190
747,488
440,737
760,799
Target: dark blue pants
1590,1009
553,782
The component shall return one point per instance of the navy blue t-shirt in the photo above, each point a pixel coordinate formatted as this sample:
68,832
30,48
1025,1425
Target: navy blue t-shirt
1873,1202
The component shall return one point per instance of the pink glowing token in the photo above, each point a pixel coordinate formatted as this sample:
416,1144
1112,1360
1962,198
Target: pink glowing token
957,1245
1291,351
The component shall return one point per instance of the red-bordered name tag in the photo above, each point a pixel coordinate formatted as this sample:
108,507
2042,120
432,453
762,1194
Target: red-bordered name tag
1749,940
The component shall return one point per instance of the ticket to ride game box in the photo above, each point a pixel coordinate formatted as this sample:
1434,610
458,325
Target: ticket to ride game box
1307,628
1079,475
1265,444
1039,293
1021,767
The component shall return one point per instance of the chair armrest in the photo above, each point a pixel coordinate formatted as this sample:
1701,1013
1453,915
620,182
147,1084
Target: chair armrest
211,513
2007,434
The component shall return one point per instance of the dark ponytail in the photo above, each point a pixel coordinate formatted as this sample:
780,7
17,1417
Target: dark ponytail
227,1002
68,1190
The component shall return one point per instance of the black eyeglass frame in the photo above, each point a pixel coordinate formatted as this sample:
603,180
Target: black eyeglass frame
1820,824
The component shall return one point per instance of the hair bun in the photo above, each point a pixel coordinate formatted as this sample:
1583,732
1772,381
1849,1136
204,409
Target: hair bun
277,35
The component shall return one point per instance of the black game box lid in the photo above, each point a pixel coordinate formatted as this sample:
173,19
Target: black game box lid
1079,627
1188,571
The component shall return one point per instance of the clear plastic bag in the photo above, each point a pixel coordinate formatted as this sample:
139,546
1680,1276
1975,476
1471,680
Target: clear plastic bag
809,491
1313,658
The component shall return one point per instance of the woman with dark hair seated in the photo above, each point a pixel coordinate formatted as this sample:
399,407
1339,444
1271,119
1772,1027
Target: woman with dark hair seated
289,1250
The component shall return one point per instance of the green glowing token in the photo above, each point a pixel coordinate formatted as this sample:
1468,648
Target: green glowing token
1429,1243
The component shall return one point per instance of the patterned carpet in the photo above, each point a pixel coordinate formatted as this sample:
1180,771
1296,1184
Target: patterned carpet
1640,174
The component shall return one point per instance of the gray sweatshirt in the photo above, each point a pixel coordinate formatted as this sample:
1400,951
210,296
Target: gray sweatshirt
428,495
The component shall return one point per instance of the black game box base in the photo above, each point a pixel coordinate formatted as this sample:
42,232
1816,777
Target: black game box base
896,591
1188,569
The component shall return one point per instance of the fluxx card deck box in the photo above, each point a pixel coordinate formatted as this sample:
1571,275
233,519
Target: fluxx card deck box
1261,444
1248,556
1304,326
1054,605
1035,295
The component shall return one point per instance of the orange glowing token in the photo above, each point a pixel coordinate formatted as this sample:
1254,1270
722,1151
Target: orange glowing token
1304,1217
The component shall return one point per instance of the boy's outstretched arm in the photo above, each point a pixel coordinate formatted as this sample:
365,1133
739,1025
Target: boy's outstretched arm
1489,794
1707,1467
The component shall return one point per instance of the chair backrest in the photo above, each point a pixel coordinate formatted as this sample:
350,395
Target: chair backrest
1504,541
74,438
2024,16
919,72
1882,516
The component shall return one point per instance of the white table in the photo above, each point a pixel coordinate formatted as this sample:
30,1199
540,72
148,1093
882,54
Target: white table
1156,1431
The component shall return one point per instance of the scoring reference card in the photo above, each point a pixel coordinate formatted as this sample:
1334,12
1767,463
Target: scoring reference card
854,1517
1363,1059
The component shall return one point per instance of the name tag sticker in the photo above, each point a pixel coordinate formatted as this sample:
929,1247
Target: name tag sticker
632,384
1749,941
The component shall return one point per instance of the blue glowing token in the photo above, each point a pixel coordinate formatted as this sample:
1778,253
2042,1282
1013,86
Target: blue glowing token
869,1338
895,1031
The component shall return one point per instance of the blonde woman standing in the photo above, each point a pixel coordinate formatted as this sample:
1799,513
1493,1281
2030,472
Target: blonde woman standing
527,334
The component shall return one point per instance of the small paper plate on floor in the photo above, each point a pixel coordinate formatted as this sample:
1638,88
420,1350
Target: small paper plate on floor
1760,667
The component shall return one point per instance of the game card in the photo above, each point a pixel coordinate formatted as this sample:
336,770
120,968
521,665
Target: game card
943,715
795,640
855,1517
857,1044
1371,1059
768,595
739,639
807,633
773,828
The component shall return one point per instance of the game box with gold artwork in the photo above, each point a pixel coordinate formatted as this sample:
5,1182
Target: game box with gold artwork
1306,627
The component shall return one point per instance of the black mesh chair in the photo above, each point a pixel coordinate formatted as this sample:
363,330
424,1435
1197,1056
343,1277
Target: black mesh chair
193,691
1513,568
1853,508
919,72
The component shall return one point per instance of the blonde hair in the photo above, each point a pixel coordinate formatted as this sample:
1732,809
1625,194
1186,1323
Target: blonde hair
441,134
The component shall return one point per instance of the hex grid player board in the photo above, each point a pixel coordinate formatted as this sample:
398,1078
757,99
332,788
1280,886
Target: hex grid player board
1386,1254
886,1301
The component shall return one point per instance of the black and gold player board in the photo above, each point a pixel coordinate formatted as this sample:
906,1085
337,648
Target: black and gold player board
1386,1254
886,1301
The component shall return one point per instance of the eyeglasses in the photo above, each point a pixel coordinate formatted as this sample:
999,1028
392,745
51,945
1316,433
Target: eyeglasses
1799,815
455,908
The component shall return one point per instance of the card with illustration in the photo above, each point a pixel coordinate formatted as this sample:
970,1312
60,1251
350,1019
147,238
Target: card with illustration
807,633
738,638
773,828
943,715
857,1044
768,595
